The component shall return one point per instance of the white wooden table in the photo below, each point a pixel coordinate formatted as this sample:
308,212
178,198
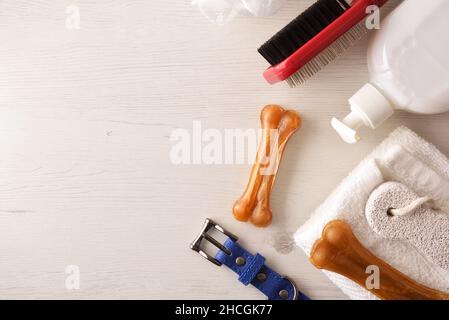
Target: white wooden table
85,121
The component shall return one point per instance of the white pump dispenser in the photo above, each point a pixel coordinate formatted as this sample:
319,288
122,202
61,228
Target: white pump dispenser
408,60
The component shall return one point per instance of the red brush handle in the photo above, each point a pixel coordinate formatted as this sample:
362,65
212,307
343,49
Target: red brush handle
321,41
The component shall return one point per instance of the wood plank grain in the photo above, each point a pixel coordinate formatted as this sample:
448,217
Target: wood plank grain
85,121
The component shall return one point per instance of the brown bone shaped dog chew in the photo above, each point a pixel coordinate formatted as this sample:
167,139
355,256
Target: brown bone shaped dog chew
339,251
278,126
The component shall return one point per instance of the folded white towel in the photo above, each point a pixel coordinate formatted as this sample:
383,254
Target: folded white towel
402,157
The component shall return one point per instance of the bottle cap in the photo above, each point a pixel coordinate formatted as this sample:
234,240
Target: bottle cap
369,107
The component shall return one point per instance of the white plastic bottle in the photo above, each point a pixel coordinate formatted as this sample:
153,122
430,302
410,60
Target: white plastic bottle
408,60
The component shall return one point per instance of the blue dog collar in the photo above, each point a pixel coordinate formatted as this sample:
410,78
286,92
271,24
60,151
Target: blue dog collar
251,269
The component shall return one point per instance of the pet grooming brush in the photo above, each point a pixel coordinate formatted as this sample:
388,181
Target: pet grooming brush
314,39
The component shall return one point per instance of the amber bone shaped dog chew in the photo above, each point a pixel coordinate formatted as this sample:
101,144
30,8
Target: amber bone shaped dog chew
278,126
339,251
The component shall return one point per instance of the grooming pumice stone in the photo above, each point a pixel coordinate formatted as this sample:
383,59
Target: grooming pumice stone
278,126
396,212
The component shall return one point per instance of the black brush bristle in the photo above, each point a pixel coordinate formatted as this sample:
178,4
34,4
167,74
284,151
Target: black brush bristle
302,29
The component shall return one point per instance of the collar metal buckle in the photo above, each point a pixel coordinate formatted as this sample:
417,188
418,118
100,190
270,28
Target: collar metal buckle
196,244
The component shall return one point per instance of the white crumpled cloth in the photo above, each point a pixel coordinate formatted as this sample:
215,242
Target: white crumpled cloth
221,12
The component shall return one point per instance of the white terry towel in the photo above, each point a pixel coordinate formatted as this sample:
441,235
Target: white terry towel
402,157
